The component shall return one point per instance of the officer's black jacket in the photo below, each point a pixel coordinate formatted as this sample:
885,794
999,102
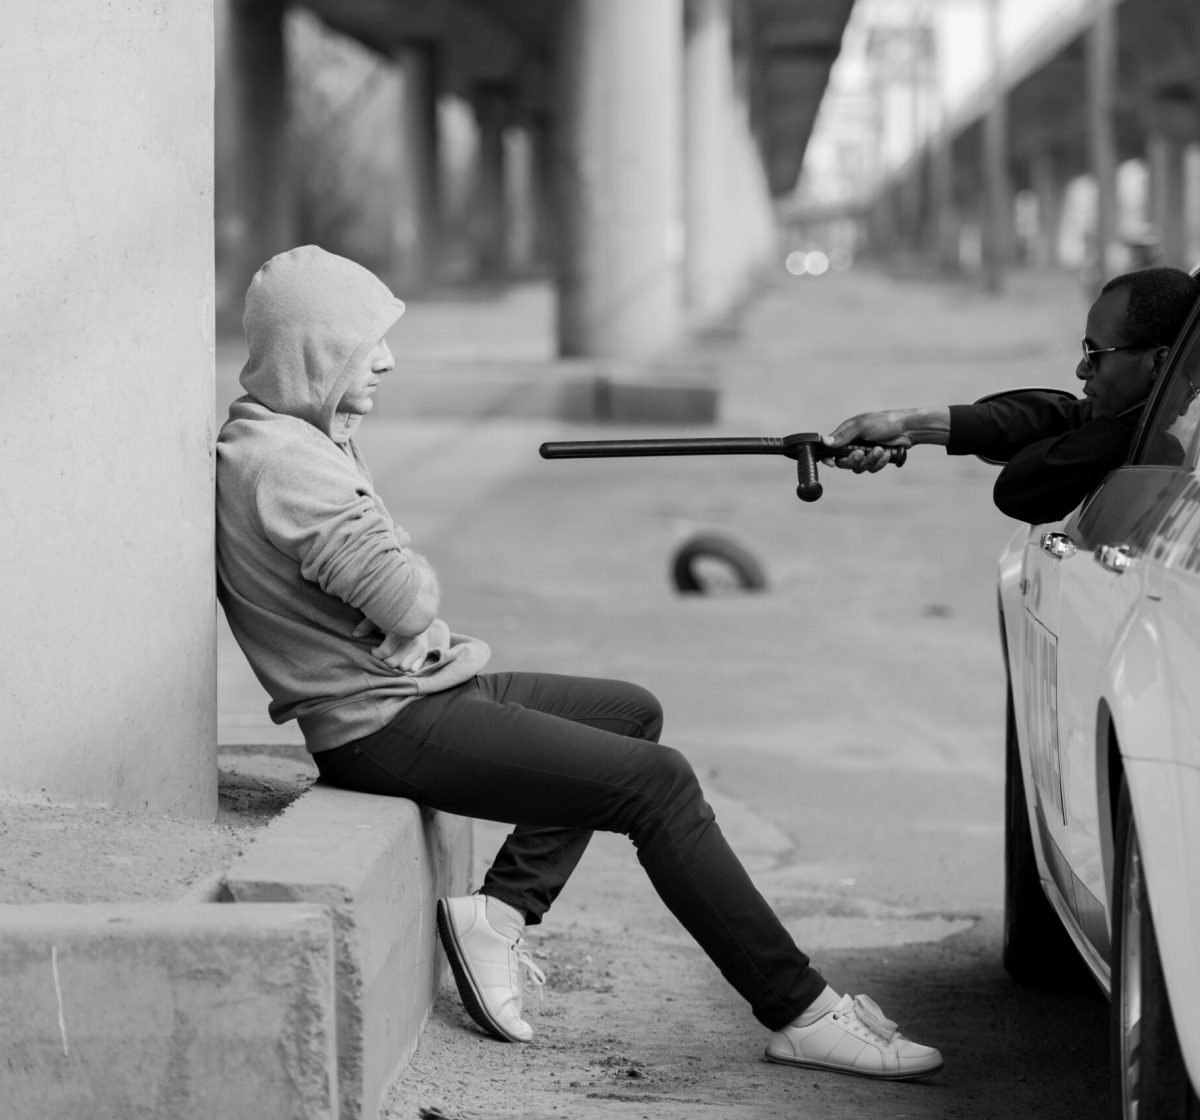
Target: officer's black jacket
1054,449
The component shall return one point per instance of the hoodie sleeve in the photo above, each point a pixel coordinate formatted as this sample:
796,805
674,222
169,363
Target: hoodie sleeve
321,512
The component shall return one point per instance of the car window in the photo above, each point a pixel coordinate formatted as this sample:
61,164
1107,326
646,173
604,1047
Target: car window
1172,437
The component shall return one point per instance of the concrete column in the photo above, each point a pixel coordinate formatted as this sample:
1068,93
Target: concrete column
1172,124
708,96
1048,190
997,228
347,108
754,231
619,66
106,554
1167,196
759,207
944,221
421,219
913,200
493,114
543,189
258,217
1101,100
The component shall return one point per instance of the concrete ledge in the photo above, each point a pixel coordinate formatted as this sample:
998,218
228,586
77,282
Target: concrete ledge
156,1010
379,864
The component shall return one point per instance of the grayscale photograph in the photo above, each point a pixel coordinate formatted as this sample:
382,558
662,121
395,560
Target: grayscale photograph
600,560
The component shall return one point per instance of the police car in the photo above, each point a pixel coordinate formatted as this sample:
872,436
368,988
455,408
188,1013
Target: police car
1100,624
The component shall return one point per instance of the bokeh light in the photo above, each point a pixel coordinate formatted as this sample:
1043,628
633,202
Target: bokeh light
816,263
795,263
840,259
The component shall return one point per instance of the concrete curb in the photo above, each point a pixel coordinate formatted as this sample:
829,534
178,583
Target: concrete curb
165,1009
379,864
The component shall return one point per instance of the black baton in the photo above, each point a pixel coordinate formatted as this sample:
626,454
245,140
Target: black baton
805,447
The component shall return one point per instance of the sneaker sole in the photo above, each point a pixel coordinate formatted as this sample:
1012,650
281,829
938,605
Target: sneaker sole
468,992
832,1067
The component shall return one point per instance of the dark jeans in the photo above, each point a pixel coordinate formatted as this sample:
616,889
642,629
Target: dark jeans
560,757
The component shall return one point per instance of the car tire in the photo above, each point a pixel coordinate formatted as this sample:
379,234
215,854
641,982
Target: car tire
1150,1079
739,567
1038,952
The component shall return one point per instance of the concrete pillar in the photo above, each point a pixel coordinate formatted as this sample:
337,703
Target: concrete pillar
944,220
543,191
258,215
1047,185
1167,196
1172,124
1101,101
997,227
106,553
493,115
421,216
707,100
619,68
755,229
347,113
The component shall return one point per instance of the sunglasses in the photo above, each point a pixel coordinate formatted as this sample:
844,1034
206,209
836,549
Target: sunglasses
1089,351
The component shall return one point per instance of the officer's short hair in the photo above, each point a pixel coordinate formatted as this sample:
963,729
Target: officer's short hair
1159,302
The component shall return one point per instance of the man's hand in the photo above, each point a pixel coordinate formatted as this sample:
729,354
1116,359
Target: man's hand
405,654
900,427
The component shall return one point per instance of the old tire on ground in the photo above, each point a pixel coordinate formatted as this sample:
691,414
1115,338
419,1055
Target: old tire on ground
1149,1076
1037,950
738,567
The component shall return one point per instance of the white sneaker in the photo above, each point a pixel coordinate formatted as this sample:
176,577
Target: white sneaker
854,1037
494,974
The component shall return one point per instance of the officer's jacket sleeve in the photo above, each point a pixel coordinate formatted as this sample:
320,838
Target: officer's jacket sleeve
1047,479
997,429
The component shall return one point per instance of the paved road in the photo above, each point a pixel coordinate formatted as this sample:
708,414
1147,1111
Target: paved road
847,721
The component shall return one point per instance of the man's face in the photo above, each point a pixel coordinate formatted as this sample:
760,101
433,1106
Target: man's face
1121,378
357,399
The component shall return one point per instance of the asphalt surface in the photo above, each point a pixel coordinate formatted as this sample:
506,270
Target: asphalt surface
847,720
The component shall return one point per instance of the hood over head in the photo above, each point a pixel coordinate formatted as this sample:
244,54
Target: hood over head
311,317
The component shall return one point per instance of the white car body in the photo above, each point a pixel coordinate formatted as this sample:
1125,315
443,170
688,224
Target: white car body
1101,620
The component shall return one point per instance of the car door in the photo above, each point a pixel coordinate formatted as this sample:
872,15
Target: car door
1101,585
1047,548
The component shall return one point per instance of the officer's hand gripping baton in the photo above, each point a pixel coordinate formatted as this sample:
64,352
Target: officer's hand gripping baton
805,447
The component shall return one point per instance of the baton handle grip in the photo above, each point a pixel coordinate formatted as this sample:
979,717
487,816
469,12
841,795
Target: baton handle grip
808,488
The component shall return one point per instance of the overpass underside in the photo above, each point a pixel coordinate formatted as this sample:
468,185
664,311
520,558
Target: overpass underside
1117,81
631,150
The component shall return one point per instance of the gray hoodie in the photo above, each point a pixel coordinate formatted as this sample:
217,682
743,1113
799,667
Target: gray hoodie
305,547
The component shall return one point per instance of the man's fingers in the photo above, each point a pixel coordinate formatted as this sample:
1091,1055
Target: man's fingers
364,628
843,433
388,646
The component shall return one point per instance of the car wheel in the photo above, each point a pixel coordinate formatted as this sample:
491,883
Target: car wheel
1037,950
1150,1081
710,563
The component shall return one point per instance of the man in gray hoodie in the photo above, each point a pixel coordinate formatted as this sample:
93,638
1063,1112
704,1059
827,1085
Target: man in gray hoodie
339,619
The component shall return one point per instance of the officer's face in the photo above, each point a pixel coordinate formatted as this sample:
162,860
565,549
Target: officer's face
1118,379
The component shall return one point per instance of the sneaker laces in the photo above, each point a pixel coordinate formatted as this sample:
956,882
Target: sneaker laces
530,978
868,1012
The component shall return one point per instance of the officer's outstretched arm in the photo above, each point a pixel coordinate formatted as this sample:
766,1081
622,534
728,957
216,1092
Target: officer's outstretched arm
899,427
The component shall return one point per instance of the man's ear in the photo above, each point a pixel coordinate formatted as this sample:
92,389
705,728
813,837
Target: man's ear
1159,359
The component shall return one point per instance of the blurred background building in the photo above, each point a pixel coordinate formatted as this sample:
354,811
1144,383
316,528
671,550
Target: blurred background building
972,135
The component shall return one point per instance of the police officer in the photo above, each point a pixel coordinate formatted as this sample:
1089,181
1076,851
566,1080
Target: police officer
1056,450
